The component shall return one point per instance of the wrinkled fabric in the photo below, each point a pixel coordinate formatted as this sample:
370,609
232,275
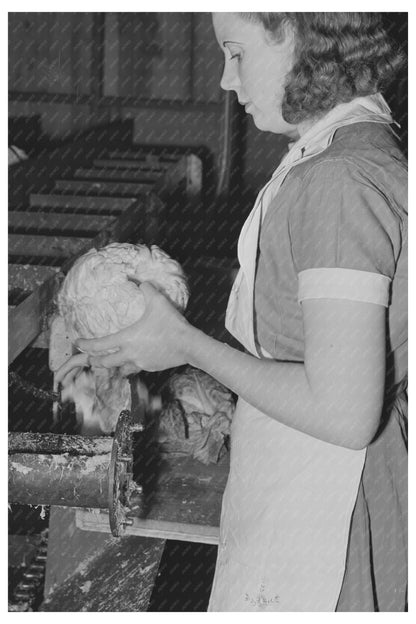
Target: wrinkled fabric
285,518
345,208
376,572
242,307
364,218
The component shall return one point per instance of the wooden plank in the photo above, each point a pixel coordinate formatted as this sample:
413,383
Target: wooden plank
124,163
179,169
186,173
25,321
60,345
144,221
97,520
93,205
58,223
107,574
147,154
194,175
57,250
183,501
47,246
137,219
120,189
118,174
28,277
60,350
182,496
186,491
42,340
23,279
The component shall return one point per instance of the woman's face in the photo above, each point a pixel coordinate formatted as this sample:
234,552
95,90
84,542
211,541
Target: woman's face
256,69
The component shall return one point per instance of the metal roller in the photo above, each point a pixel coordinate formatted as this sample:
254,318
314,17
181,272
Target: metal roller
78,471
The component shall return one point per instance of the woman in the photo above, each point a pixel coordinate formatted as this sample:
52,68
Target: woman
318,306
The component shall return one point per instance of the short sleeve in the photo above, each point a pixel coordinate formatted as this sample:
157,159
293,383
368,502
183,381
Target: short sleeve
341,220
344,284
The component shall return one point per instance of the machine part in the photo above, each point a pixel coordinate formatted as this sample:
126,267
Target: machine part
120,480
28,591
59,479
74,471
53,469
47,443
29,388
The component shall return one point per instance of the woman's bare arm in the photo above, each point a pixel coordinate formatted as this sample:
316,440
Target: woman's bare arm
335,395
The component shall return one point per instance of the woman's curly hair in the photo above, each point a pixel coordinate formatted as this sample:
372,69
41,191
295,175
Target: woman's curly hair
338,56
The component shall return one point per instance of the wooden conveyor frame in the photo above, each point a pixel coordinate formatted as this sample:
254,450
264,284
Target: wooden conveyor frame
128,211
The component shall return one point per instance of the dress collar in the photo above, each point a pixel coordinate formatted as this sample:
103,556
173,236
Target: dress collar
372,108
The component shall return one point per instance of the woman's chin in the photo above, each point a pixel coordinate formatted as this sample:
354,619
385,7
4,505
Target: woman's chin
275,126
256,120
261,125
259,120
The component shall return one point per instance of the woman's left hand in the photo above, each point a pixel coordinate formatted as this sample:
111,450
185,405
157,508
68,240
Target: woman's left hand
155,342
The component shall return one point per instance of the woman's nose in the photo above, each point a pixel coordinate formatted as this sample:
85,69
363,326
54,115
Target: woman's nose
230,80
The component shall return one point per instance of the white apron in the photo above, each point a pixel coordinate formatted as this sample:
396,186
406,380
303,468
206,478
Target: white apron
289,497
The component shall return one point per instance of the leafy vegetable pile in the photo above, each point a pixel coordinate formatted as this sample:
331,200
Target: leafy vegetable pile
197,415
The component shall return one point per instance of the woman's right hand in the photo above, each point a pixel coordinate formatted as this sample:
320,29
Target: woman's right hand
72,367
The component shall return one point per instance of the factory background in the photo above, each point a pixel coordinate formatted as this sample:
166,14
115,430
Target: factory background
78,83
161,72
69,72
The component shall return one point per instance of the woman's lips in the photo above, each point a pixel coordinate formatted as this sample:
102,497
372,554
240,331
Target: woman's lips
246,105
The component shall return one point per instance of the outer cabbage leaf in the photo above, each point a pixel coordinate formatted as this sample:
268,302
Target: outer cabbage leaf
197,415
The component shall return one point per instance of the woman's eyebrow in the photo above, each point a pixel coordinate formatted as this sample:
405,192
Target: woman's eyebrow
225,42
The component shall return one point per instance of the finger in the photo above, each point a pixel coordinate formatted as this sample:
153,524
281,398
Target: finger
71,376
108,361
148,290
129,369
76,361
98,345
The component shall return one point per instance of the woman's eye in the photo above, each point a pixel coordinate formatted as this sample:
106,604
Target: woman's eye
235,56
